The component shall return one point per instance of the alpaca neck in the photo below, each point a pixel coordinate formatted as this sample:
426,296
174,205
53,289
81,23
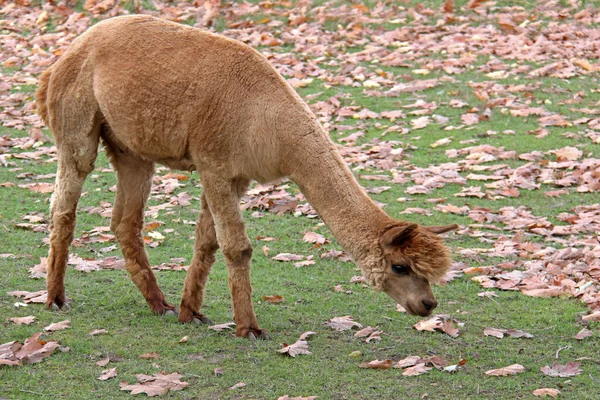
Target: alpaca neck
329,186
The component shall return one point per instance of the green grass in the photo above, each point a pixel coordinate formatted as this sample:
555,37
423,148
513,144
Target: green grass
109,300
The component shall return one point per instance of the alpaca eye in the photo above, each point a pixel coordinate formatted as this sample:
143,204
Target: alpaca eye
400,269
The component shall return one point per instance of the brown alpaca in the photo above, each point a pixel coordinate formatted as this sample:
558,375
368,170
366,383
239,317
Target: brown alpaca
159,92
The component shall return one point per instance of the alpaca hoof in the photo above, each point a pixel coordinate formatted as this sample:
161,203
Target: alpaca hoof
171,312
203,321
255,334
64,307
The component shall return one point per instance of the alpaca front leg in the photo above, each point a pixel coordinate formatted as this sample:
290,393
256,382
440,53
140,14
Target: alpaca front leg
197,275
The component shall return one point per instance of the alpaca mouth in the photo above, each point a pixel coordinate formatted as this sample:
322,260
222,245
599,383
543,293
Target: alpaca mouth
418,311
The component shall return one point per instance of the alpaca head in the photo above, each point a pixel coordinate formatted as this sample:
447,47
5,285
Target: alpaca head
415,256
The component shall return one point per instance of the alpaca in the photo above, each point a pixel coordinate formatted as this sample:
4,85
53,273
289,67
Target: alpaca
155,91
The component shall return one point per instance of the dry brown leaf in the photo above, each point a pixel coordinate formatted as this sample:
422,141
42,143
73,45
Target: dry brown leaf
377,364
288,257
108,374
97,332
563,371
23,320
595,316
417,369
543,392
103,362
365,332
237,386
298,347
408,362
584,333
273,299
510,370
184,339
155,385
222,327
58,326
342,323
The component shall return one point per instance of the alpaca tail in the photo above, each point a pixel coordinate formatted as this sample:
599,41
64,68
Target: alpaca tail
41,96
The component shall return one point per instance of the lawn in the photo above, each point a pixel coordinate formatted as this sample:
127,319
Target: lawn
483,114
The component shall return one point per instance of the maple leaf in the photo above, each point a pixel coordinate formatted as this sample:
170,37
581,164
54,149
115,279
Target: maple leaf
377,364
510,370
155,385
543,392
108,374
298,347
22,320
342,323
563,371
58,326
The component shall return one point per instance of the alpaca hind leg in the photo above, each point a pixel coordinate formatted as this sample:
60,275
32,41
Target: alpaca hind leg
134,180
204,257
76,157
223,197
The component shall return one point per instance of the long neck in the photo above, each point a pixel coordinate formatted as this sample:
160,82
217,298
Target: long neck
316,166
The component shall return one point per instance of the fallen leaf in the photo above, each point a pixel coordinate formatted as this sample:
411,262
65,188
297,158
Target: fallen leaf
584,333
58,326
22,320
595,316
377,364
558,370
543,392
108,374
237,386
222,327
298,347
155,385
510,370
342,323
288,257
273,299
103,362
97,332
418,369
184,339
365,332
408,362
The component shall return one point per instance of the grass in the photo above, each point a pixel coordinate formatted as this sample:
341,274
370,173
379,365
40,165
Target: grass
108,299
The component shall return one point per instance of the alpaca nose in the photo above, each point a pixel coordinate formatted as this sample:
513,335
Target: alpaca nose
429,304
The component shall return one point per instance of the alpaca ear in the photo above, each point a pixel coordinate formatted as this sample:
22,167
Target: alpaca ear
441,229
398,235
